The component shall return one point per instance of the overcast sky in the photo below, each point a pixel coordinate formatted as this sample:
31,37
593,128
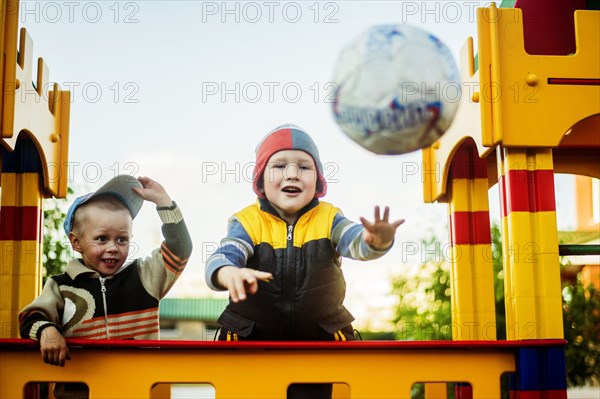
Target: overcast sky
182,91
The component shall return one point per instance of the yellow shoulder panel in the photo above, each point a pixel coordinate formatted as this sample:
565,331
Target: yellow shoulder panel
264,227
315,224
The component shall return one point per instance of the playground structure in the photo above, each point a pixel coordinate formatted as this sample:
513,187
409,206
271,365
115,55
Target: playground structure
523,117
34,121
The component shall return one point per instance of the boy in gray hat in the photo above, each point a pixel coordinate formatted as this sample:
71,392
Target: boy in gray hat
101,295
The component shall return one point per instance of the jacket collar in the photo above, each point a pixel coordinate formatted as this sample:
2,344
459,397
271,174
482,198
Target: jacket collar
76,267
267,207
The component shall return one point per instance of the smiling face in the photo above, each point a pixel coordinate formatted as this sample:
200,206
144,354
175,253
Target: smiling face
102,235
290,182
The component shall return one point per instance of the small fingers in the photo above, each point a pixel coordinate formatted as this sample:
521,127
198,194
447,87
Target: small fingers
45,356
386,214
251,285
377,216
145,181
64,356
397,223
245,281
263,276
239,292
367,225
50,357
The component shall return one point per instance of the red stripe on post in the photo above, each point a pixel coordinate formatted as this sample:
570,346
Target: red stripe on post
470,228
574,81
463,391
528,191
466,164
20,223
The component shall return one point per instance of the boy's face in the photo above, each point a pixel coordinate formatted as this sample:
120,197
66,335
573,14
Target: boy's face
290,182
103,240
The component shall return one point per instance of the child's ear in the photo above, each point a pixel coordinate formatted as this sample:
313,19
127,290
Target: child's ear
74,242
261,186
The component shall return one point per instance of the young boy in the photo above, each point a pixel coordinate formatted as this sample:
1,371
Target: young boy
100,296
285,250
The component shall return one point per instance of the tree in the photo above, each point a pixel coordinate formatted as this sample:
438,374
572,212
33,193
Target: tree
581,322
424,311
56,250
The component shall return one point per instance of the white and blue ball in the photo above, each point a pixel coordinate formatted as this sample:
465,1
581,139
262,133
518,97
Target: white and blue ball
397,89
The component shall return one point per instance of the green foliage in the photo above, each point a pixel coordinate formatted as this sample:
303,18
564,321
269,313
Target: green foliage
56,247
424,310
498,282
581,321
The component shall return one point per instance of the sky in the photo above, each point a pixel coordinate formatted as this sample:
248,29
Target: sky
182,91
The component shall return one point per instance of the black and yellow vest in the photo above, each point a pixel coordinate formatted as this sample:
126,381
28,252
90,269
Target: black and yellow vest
304,301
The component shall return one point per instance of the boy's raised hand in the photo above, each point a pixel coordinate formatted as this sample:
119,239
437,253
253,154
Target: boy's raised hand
380,233
153,191
53,347
240,281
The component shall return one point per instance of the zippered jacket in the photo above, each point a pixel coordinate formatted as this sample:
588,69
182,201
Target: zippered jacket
82,303
304,301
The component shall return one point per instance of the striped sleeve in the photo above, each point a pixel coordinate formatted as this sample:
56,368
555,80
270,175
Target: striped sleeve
44,311
177,246
348,240
234,250
160,270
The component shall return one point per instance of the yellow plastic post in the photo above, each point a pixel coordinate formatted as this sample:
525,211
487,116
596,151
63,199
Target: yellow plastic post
472,279
20,246
530,244
436,390
34,131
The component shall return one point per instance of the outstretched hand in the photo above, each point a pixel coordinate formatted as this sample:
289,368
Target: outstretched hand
153,191
240,281
380,233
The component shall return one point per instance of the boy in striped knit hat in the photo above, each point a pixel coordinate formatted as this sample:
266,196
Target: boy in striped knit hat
285,251
100,295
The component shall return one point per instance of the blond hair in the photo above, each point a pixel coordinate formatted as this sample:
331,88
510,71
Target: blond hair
105,202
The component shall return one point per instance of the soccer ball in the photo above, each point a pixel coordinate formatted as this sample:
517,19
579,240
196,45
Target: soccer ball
397,89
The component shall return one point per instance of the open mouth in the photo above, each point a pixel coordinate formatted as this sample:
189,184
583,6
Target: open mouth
110,261
290,189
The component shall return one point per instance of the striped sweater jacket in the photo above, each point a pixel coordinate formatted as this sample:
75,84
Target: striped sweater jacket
81,303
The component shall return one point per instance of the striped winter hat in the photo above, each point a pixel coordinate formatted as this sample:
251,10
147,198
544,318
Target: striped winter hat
286,137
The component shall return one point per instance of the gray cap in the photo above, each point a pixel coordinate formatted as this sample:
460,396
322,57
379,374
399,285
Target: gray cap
120,187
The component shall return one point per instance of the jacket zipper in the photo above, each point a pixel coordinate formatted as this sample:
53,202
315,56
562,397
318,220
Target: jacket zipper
103,289
288,282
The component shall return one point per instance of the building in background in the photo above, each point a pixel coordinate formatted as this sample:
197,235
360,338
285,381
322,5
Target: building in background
586,232
190,318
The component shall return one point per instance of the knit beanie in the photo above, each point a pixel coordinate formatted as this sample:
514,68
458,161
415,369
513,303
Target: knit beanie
286,137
